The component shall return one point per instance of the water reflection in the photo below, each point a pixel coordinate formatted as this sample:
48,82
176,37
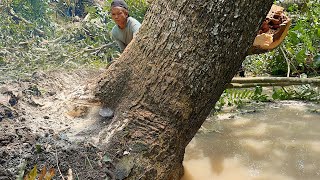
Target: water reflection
279,141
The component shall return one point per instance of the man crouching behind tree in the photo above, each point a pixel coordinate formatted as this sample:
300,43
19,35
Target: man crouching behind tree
126,26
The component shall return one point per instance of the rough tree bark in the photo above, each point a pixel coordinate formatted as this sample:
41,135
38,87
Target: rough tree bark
166,82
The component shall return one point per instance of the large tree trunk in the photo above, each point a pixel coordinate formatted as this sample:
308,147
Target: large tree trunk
166,82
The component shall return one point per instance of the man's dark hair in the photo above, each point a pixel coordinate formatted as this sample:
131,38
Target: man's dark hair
119,3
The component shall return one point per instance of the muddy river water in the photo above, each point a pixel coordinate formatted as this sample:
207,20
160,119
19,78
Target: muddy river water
277,141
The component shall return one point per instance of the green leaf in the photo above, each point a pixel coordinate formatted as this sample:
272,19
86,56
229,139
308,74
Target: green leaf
301,56
293,37
258,90
106,158
316,61
38,148
293,7
22,167
32,174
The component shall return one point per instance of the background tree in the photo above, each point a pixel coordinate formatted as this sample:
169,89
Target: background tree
165,83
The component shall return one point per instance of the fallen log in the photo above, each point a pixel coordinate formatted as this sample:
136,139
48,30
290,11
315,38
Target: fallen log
275,79
270,81
251,85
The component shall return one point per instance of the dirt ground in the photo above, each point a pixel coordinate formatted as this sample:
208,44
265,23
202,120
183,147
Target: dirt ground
49,120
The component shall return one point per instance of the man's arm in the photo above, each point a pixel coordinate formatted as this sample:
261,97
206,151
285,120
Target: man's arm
135,28
114,33
121,45
135,25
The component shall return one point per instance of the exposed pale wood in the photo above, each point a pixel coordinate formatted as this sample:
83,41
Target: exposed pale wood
274,44
284,32
278,35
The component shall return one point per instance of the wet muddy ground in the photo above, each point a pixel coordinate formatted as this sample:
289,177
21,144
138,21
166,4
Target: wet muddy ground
261,141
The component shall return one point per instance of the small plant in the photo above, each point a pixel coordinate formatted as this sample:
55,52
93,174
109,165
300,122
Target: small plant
238,97
303,92
44,174
258,95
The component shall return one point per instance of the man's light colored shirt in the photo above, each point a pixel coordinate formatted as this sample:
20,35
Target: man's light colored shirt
124,36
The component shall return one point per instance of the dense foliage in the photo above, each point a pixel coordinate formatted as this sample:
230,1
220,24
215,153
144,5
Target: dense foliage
77,32
301,47
239,97
73,33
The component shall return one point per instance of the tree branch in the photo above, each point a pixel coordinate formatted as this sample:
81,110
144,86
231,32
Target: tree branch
250,85
270,81
12,13
287,60
276,79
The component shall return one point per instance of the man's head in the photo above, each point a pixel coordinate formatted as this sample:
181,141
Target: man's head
119,3
119,12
